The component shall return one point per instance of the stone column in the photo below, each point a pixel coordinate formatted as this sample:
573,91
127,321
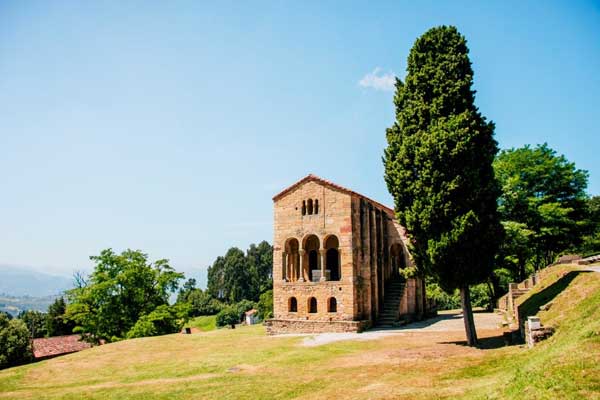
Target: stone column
284,270
323,253
301,265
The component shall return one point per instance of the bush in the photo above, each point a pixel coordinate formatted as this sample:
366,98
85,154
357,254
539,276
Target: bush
15,346
243,306
481,296
265,305
202,303
443,300
228,316
162,321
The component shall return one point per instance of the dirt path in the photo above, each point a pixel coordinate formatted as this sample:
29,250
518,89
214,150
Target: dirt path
447,321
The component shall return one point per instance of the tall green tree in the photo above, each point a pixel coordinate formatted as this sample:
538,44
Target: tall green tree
57,323
260,260
35,321
544,193
122,288
438,167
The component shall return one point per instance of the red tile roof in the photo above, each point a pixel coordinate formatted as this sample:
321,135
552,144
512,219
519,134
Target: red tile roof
57,345
332,185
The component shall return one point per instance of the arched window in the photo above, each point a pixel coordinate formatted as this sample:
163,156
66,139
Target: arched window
332,304
303,207
292,305
332,256
310,207
312,305
316,206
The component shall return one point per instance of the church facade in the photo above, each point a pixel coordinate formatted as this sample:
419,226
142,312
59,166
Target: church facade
337,261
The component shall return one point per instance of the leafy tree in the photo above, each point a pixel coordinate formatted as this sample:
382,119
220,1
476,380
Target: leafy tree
216,279
265,305
590,244
243,306
228,316
35,321
260,260
438,167
15,344
201,303
188,287
57,323
545,195
162,321
121,289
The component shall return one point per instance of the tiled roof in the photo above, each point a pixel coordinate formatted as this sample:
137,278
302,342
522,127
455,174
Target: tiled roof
57,345
251,312
325,182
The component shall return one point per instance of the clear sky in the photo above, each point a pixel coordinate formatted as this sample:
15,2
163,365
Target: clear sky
169,126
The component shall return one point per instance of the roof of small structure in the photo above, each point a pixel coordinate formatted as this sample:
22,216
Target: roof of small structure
311,178
251,312
57,345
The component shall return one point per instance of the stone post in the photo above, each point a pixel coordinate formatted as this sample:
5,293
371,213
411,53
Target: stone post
323,253
284,271
301,265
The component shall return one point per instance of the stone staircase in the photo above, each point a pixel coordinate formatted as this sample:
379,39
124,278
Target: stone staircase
389,316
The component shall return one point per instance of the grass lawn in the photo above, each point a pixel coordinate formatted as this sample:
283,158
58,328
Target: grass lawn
244,363
204,323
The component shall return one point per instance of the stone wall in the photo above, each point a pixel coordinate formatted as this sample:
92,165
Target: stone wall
282,326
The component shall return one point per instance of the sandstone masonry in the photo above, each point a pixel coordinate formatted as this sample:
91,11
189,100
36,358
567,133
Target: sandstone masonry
336,252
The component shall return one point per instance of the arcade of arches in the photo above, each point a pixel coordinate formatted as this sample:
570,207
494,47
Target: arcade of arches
311,262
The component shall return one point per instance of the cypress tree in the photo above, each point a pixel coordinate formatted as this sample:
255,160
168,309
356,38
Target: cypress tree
438,167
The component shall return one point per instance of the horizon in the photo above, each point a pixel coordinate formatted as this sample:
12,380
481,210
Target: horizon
169,127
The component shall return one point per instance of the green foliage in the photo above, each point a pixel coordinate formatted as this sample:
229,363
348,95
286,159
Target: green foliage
228,316
57,323
243,306
438,163
188,287
237,276
15,345
260,261
35,322
480,296
120,290
443,299
162,321
543,196
201,303
265,305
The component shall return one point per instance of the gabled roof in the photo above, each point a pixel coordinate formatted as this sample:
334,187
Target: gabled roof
325,182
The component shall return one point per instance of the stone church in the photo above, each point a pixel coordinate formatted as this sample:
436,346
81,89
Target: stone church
337,257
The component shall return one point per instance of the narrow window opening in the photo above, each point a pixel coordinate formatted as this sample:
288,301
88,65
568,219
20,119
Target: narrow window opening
293,305
312,305
332,305
310,207
316,206
303,207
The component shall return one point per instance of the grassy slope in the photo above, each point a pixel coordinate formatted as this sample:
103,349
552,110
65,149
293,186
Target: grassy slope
567,366
205,323
245,364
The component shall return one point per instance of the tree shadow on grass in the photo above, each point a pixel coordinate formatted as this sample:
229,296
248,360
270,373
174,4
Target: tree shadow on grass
491,342
532,305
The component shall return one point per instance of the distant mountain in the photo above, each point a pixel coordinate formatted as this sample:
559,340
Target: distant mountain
24,281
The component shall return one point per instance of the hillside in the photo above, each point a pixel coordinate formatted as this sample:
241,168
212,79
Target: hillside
19,281
411,364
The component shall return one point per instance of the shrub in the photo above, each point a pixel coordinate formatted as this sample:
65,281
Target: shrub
228,316
15,346
265,305
162,321
202,303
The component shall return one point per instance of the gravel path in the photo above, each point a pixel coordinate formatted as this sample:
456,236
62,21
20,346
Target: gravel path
447,321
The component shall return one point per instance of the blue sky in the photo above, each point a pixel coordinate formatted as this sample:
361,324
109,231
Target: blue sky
168,126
